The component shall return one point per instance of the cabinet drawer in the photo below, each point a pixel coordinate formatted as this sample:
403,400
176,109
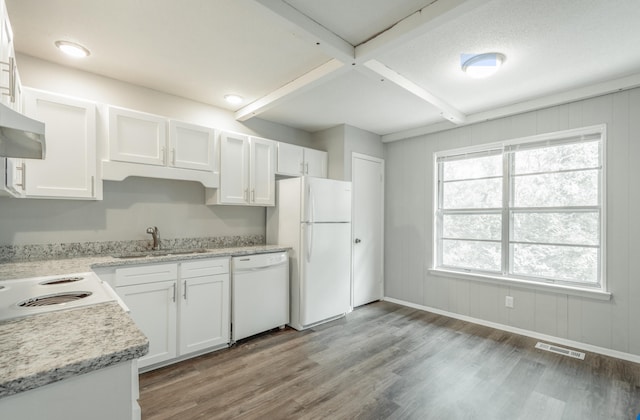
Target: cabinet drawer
204,268
146,274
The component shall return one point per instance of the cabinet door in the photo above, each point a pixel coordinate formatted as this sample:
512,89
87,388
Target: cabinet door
234,169
153,309
262,172
69,170
204,313
6,53
290,159
137,137
191,146
315,163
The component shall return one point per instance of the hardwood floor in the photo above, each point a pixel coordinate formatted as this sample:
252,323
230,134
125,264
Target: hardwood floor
385,361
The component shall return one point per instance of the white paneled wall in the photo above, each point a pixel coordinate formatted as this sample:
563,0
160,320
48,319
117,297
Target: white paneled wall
408,229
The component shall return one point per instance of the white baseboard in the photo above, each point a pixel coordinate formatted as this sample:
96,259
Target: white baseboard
563,341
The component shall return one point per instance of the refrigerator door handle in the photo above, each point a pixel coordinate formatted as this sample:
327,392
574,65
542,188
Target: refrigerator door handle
309,241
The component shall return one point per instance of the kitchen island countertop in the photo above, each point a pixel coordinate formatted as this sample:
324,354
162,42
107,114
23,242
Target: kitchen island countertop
41,349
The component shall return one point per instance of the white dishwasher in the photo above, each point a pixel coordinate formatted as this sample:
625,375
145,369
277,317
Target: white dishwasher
259,293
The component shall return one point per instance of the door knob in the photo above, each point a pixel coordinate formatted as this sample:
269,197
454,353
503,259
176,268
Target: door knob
357,241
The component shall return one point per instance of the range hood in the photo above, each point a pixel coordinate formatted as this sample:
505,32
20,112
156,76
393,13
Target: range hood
20,136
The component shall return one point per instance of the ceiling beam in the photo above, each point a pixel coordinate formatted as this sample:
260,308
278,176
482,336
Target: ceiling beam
302,84
569,96
303,25
414,25
446,111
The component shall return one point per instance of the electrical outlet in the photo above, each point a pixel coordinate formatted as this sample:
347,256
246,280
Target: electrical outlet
508,301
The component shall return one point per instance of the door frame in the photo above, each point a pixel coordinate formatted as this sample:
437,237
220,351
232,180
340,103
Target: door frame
354,156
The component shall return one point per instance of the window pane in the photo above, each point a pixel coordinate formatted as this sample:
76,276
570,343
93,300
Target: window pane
471,254
485,193
556,262
473,168
557,190
558,158
472,226
577,228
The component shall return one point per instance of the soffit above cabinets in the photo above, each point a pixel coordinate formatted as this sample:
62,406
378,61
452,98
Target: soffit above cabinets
389,67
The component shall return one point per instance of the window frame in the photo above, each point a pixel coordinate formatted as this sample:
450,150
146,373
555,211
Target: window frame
507,149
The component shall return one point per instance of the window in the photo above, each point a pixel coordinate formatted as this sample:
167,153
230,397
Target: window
528,209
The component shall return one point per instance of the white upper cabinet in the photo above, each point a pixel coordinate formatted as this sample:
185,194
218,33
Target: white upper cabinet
290,159
9,80
191,146
69,169
137,137
297,161
315,163
262,172
247,171
147,145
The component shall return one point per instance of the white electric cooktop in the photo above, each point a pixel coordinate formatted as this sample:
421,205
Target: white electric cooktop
31,296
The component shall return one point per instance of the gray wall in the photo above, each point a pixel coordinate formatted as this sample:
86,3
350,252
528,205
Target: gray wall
129,207
408,229
340,142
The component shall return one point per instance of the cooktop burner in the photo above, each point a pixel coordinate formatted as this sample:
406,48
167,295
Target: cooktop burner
31,296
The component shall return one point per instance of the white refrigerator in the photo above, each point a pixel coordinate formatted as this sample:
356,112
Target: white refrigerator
313,217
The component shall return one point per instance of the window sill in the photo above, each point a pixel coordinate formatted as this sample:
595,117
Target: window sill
568,290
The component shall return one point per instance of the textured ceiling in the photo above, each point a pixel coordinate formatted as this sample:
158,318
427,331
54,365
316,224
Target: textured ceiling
387,67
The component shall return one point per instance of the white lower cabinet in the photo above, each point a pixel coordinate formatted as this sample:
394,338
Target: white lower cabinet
182,308
204,305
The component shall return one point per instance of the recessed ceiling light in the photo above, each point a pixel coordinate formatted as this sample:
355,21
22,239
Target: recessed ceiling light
72,49
233,99
480,66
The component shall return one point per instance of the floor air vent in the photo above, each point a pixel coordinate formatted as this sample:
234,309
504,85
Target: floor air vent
560,350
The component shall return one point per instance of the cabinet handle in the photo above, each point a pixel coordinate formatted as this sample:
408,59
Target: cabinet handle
306,168
173,156
174,292
253,196
24,176
21,169
184,293
11,69
245,196
164,156
302,168
93,186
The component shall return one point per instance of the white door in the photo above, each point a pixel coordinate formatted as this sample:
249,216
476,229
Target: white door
204,312
326,271
368,204
262,175
326,200
69,170
192,146
315,163
153,309
234,169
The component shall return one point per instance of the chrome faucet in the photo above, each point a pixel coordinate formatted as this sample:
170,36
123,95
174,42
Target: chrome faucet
156,237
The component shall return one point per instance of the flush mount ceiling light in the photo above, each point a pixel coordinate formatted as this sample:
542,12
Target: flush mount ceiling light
479,66
72,49
233,99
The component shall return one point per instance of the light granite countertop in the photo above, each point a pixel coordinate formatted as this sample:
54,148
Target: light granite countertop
38,268
41,349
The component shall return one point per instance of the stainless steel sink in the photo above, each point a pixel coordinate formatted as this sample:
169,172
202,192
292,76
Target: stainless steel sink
160,253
